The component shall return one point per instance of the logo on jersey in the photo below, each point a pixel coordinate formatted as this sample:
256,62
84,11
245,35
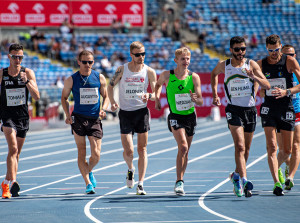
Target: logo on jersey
180,87
267,75
264,110
280,74
5,78
228,115
8,83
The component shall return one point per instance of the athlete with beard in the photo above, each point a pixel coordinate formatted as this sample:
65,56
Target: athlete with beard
242,78
277,111
183,90
134,78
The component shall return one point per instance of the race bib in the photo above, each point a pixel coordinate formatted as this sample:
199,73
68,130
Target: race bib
276,82
15,97
134,90
89,96
183,102
240,88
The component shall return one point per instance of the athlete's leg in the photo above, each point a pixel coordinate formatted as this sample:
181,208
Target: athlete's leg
128,149
95,152
295,158
237,133
142,140
81,160
270,133
248,140
287,141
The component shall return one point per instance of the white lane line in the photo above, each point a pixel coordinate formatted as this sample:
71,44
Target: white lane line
88,205
122,162
201,199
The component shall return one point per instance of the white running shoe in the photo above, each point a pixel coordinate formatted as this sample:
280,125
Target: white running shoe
179,188
140,190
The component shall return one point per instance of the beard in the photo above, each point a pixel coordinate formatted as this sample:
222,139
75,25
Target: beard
238,56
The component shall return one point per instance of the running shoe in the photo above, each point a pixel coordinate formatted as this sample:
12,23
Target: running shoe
280,176
5,191
93,179
289,183
140,190
248,187
14,189
90,189
277,190
237,189
130,179
287,170
179,188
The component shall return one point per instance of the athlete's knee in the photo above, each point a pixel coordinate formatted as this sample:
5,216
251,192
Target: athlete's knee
13,151
128,153
96,156
142,150
184,148
272,150
240,148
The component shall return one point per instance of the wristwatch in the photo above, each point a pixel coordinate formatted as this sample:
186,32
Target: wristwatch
27,81
288,92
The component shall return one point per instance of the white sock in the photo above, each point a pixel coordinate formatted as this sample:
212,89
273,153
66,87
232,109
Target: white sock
141,183
132,170
6,181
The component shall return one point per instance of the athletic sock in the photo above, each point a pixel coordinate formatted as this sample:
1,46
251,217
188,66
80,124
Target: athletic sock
141,183
6,181
236,176
244,180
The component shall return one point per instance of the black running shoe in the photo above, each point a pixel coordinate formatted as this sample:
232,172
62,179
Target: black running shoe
14,190
278,191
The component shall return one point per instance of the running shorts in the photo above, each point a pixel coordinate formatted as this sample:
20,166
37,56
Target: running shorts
188,122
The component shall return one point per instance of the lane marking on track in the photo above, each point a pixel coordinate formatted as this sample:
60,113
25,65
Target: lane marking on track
201,199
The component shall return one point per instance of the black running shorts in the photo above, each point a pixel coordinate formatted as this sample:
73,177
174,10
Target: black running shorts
188,122
280,118
87,126
21,126
241,116
134,121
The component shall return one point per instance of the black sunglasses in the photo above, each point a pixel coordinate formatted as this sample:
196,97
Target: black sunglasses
290,54
237,49
85,62
16,57
139,54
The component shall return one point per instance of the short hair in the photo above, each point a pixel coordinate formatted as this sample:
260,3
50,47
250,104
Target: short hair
84,53
182,50
273,40
15,47
287,46
236,40
136,45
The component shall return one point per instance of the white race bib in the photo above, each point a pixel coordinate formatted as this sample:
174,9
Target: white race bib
240,88
89,96
15,97
276,82
134,90
183,102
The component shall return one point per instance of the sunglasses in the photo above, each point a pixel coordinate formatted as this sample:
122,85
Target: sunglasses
290,54
139,54
276,50
237,49
16,57
85,62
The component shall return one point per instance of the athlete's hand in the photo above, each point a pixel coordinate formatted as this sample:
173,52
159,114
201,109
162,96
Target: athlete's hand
157,104
102,114
279,93
249,73
193,96
216,101
69,120
23,76
114,106
145,97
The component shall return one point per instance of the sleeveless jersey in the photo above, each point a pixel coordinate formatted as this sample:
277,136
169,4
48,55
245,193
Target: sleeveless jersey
131,88
296,97
14,97
239,88
86,94
178,94
278,76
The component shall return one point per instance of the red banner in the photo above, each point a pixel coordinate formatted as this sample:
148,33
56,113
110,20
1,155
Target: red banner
53,13
205,109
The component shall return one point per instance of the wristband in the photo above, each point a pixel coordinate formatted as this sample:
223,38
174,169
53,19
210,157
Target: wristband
150,95
27,81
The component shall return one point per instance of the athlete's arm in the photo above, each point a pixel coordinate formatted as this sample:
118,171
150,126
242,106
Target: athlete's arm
257,75
197,96
68,84
31,85
103,92
220,68
110,89
293,67
163,79
152,81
